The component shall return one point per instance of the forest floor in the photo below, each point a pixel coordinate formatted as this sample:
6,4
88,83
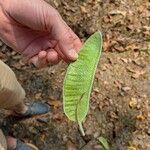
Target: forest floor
120,99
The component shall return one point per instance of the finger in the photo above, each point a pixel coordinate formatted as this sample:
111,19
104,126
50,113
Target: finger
52,56
34,60
42,54
65,41
76,41
45,57
35,46
42,61
60,54
38,61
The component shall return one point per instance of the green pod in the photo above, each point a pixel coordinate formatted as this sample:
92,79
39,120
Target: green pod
79,79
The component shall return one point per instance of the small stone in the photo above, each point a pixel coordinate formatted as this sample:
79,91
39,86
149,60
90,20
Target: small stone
104,68
38,95
96,135
106,82
138,106
89,131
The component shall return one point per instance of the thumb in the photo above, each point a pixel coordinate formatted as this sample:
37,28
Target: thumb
67,48
67,42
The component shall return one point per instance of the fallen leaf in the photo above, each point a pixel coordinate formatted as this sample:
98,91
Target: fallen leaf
55,103
133,103
113,115
138,73
130,70
118,12
83,9
140,117
126,88
104,143
124,60
96,90
58,116
118,84
131,148
32,146
105,67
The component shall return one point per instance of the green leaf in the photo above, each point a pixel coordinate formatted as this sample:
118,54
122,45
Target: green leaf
104,143
79,79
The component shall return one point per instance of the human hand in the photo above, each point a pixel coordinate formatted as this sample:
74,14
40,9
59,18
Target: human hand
36,30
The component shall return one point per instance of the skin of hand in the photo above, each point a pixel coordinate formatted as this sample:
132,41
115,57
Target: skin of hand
37,31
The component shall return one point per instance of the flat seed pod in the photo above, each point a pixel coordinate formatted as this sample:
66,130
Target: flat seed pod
79,79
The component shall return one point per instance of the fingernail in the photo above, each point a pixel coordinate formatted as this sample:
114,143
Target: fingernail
73,54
